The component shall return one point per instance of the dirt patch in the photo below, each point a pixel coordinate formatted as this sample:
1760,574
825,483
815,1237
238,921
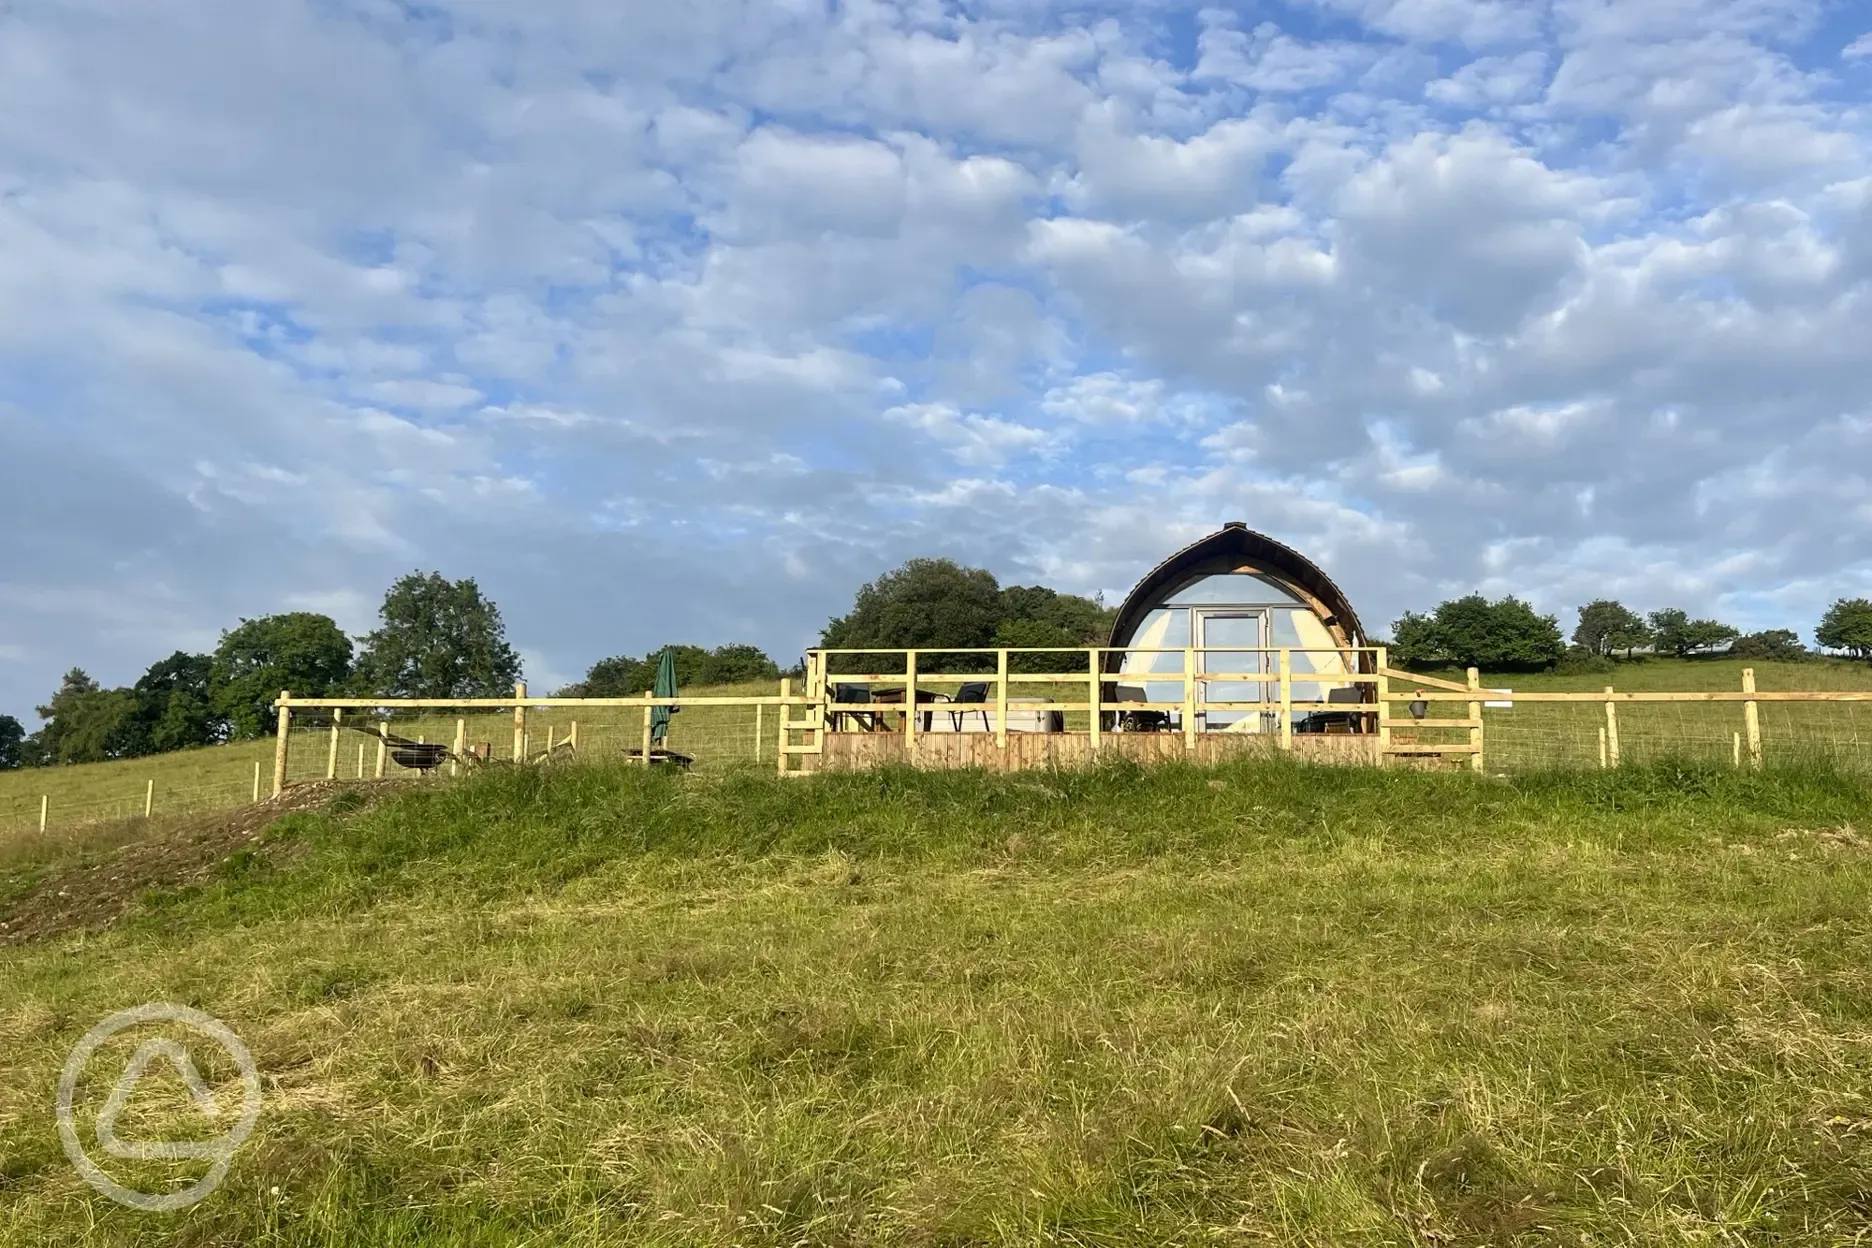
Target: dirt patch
93,894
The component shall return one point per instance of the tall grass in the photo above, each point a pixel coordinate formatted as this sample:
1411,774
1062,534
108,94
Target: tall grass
1261,1003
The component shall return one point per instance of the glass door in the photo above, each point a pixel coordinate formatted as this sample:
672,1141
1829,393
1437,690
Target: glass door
1233,628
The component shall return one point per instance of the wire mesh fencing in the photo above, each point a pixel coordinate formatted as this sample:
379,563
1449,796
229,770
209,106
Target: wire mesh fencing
1560,735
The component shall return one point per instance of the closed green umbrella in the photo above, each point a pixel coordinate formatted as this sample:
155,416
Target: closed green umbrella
665,688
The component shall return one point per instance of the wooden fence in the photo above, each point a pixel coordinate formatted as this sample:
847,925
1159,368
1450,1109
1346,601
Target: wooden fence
1398,717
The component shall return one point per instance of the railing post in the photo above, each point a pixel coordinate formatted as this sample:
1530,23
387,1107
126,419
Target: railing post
1751,719
1611,729
1384,706
760,728
1189,697
1286,698
45,809
256,791
649,728
519,751
1001,682
383,746
572,736
1475,720
461,743
280,744
1096,692
786,694
149,798
910,702
331,755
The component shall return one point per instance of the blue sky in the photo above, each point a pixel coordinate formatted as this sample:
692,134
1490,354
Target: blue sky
681,321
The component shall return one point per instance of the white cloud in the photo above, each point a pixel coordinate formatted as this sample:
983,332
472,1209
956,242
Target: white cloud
1858,49
303,295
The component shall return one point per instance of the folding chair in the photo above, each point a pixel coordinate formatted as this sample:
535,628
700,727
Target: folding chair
974,692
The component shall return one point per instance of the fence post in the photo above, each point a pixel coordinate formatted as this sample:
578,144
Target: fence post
331,755
461,743
1001,679
1736,752
1611,729
910,702
149,798
280,746
1286,698
572,736
519,752
1093,703
256,796
383,746
1475,720
45,805
760,727
648,728
1603,764
1189,697
1751,719
1384,707
786,693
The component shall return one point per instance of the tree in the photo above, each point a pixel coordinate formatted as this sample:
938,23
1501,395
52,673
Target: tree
301,651
740,664
1030,633
1414,641
1085,621
1606,625
175,705
439,639
1776,645
1847,626
934,605
624,677
1504,635
84,723
1674,632
927,604
12,738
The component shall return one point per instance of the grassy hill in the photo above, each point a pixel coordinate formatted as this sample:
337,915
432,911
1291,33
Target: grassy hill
1265,1003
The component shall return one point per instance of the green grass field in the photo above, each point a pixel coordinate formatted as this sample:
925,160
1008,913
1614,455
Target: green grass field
1260,1004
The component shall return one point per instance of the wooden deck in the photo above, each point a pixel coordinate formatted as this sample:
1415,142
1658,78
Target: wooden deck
855,751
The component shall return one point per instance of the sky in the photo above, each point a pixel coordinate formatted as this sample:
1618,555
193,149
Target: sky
681,321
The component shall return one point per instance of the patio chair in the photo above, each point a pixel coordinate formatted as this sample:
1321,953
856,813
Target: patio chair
975,693
852,695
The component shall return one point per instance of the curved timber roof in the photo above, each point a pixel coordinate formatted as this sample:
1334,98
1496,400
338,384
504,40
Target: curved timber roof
1238,548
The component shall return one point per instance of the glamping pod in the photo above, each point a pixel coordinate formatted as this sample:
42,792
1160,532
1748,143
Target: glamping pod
1238,588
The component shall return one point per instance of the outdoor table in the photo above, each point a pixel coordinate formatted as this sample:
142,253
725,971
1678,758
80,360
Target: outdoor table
892,695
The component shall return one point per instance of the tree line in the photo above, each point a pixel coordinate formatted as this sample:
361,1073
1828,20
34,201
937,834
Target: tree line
436,638
1510,635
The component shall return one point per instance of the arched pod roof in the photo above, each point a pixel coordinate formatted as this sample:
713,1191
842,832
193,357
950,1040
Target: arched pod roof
1238,548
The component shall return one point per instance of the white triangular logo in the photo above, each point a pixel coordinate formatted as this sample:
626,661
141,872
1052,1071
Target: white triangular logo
178,1057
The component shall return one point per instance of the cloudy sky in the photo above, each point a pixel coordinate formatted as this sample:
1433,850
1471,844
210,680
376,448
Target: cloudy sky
681,320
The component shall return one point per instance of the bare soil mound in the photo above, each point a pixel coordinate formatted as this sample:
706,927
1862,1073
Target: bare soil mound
95,893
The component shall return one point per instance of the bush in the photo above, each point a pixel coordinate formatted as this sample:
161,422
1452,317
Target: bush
1581,661
1777,645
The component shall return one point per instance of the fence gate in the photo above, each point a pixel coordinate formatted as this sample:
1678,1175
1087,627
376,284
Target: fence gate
1429,730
